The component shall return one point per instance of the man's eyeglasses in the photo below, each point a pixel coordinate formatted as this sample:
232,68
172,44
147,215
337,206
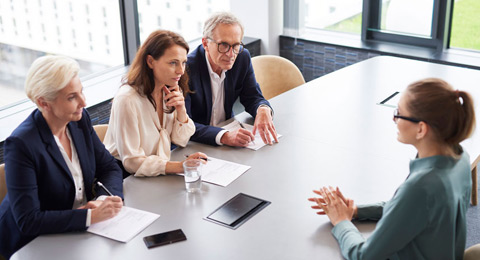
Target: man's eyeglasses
224,47
396,116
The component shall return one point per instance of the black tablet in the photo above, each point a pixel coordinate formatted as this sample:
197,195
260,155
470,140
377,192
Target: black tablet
237,210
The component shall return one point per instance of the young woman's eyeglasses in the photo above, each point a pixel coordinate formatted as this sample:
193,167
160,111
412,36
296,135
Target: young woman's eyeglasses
224,47
396,116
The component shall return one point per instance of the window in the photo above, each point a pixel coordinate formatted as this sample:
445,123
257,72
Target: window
465,32
435,24
155,17
395,12
21,42
341,16
419,23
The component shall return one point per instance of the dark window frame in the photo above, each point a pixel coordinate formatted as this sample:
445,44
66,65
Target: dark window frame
130,29
440,33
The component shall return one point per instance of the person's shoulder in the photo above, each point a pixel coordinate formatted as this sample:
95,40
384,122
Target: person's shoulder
126,93
28,126
245,55
196,63
128,100
432,180
243,60
195,54
27,136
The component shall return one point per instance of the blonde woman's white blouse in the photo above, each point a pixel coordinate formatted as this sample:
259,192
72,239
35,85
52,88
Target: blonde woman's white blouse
136,137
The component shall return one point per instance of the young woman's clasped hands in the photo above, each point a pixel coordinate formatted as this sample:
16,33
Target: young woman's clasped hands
333,204
426,217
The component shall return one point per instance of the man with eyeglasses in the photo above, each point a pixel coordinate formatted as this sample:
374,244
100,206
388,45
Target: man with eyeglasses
220,71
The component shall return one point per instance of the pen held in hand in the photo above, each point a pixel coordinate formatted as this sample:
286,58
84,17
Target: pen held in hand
242,126
201,158
104,188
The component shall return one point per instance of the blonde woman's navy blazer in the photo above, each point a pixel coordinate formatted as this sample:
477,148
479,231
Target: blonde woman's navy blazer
41,189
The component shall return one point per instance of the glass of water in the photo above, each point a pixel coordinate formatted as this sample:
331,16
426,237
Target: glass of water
193,174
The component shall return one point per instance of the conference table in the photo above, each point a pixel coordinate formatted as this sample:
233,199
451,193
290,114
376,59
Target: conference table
334,132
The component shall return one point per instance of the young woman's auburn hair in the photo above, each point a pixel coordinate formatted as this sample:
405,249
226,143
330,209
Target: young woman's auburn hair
140,76
450,113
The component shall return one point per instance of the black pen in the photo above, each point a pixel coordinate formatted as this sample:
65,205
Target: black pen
104,188
242,126
201,158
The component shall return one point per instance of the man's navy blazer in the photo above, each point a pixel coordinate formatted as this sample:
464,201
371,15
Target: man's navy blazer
41,190
239,82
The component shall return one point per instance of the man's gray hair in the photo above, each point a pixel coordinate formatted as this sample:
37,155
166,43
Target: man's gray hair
217,18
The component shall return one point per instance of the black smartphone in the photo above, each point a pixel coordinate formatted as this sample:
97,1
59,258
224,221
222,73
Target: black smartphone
164,238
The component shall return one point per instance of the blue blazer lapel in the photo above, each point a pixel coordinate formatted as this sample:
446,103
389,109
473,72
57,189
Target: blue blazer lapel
50,144
229,94
79,139
205,82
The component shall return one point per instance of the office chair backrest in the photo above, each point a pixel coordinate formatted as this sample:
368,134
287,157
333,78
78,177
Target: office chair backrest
101,130
276,75
3,183
472,253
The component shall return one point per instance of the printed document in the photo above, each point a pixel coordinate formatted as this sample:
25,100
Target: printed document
257,143
125,226
222,172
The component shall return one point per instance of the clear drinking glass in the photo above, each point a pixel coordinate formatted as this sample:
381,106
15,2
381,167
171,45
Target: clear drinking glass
193,174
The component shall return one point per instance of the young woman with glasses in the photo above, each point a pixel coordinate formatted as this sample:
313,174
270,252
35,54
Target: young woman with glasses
425,219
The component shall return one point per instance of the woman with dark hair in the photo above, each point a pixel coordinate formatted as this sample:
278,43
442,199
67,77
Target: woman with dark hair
425,219
148,113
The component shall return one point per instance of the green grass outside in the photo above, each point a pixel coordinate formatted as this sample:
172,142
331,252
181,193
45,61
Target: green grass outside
465,25
351,25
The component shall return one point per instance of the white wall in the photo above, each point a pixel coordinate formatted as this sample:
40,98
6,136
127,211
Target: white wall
262,19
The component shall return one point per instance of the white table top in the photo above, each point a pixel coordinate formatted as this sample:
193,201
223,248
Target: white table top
334,133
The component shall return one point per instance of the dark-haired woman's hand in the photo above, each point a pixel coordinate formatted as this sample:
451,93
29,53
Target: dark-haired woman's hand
175,99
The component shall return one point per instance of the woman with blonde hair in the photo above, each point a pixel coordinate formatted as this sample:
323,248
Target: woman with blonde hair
426,218
52,159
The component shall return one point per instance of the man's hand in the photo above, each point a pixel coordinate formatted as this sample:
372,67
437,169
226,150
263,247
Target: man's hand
240,137
264,125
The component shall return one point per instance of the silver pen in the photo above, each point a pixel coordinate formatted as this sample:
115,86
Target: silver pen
201,158
104,188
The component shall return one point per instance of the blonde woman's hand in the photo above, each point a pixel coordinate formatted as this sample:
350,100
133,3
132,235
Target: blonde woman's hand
107,209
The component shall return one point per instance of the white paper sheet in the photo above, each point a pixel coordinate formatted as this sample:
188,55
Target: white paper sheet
222,172
125,226
257,143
